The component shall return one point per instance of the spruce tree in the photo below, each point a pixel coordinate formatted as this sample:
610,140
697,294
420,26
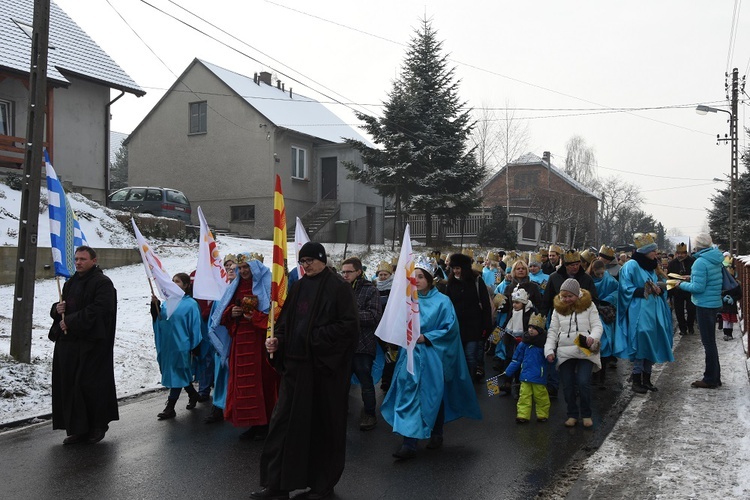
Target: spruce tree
423,160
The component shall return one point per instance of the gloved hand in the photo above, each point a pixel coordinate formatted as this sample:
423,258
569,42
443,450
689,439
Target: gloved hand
729,300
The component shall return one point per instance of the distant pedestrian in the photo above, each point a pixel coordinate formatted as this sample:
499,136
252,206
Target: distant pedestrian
684,308
313,348
705,286
84,399
175,337
730,297
573,341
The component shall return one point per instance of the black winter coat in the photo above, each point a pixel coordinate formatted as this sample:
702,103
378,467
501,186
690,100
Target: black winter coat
471,301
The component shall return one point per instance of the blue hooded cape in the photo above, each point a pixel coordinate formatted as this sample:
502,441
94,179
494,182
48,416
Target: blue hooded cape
175,338
440,374
606,288
218,334
644,325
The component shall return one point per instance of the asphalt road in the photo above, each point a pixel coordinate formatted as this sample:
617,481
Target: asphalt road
143,458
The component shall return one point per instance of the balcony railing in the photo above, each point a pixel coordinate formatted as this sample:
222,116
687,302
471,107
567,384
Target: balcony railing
13,151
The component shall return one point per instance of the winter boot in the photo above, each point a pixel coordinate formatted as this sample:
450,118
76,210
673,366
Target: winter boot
638,386
646,382
168,410
193,395
216,415
728,334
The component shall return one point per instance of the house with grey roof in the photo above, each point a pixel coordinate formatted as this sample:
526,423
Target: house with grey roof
80,77
546,204
221,137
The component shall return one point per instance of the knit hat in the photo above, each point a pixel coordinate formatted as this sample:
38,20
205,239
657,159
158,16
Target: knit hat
313,250
520,295
702,241
572,286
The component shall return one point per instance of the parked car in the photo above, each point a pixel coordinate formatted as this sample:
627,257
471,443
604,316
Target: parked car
162,202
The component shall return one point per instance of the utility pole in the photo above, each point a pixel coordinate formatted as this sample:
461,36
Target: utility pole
734,184
23,304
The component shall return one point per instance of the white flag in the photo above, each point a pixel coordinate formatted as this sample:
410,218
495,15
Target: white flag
400,322
300,238
169,291
211,279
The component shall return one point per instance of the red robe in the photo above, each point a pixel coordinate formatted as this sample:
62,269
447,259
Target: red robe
253,386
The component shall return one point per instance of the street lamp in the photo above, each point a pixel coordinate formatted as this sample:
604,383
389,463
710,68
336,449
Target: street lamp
702,109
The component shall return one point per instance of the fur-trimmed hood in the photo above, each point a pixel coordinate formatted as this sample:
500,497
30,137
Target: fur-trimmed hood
579,306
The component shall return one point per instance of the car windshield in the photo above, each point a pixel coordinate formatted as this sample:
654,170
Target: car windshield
176,197
119,195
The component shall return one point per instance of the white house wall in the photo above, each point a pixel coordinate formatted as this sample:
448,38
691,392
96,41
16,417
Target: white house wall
79,130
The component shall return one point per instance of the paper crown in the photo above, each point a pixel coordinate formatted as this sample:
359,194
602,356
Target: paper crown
230,257
477,266
538,320
385,266
681,247
606,251
571,256
543,252
245,257
535,259
643,239
493,256
556,249
588,255
425,264
520,295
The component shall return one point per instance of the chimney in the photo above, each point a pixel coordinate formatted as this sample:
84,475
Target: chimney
545,157
255,78
278,84
290,92
282,86
265,77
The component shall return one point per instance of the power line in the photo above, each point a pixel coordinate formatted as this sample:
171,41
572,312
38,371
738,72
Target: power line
597,165
733,33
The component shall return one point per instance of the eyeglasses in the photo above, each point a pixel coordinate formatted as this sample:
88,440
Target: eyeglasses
306,261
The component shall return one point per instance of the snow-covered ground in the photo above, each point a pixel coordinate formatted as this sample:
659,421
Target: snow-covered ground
25,388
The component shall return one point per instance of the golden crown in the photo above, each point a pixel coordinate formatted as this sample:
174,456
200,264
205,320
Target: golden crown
587,255
681,247
556,249
538,320
385,266
571,256
543,252
643,239
493,256
607,251
230,256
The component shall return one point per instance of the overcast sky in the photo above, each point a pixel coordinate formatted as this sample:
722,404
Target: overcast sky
566,60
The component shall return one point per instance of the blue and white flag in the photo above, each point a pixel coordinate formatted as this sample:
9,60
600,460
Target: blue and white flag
64,231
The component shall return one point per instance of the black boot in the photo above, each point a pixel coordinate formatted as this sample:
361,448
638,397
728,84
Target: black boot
216,415
168,410
638,386
646,382
193,395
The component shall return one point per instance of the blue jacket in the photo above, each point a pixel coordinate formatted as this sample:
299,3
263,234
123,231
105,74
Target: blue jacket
530,359
705,279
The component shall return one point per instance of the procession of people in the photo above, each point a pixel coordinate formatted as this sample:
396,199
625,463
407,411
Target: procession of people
546,317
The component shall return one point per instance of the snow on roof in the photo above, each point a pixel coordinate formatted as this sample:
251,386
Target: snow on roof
115,141
288,109
71,49
532,159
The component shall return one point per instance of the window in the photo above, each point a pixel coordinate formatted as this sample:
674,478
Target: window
176,197
137,194
6,117
524,181
529,229
299,164
198,117
153,195
119,195
243,212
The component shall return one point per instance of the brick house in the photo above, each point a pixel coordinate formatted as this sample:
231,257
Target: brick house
546,204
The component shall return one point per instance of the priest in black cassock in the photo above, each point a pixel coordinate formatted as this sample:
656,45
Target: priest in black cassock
313,348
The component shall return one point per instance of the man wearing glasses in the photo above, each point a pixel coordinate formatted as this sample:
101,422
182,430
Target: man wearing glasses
314,344
682,264
370,312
